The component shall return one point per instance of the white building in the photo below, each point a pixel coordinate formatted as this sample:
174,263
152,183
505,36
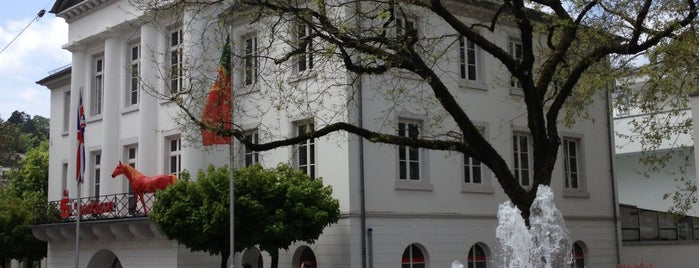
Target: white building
443,210
649,234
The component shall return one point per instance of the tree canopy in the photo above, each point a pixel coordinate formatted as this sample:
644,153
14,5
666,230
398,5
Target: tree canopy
27,187
568,53
273,209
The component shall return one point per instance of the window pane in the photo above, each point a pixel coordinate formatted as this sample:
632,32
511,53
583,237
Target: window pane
414,170
649,225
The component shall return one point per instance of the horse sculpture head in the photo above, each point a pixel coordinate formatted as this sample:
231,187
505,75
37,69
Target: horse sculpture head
119,170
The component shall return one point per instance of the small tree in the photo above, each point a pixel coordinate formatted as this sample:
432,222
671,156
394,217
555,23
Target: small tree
274,208
16,213
28,186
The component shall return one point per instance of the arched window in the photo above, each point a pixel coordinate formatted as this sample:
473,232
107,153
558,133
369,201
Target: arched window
413,257
578,256
307,259
476,257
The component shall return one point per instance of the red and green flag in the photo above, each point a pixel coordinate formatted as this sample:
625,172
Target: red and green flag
217,110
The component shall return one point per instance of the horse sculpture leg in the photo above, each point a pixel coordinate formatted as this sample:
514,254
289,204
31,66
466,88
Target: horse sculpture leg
143,203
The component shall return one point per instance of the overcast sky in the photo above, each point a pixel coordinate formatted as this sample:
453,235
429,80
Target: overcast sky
31,57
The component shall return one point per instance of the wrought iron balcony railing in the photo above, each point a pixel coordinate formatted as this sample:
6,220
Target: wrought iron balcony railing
106,207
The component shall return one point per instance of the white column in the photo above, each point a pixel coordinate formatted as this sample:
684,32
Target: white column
114,49
694,103
77,83
201,57
148,153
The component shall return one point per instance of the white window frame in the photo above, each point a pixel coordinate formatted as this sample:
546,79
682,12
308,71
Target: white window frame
304,60
409,157
308,147
96,170
469,186
251,157
173,154
422,183
523,174
411,253
133,88
97,93
250,60
64,175
581,189
468,60
175,61
472,257
66,112
516,49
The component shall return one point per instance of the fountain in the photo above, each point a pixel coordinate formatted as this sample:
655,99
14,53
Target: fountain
546,244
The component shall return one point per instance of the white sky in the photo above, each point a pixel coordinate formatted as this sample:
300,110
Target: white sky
30,57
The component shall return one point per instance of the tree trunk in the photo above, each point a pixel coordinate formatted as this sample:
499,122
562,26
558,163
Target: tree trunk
275,259
224,259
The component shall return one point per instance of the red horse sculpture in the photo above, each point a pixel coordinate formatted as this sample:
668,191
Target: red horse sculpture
142,184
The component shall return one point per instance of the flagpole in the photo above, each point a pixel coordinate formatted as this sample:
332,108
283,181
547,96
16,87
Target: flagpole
77,229
79,172
231,153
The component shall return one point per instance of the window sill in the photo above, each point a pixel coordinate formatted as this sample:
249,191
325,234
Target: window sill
93,118
247,90
64,133
575,193
480,188
470,84
305,75
418,185
516,91
130,109
405,74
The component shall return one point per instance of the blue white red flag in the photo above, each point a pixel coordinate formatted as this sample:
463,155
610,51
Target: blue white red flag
80,157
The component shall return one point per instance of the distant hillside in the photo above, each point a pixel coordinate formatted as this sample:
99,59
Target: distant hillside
20,133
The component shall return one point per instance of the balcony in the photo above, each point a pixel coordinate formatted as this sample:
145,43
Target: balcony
105,207
115,216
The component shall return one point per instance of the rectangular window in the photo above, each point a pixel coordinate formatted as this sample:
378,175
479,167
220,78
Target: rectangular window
134,79
250,60
64,176
251,157
305,45
130,154
517,51
668,226
176,62
468,61
684,228
473,170
571,163
174,156
630,228
98,86
66,111
522,162
408,157
96,168
649,225
306,158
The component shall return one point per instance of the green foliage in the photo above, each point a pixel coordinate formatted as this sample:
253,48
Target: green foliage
27,187
16,213
33,175
274,208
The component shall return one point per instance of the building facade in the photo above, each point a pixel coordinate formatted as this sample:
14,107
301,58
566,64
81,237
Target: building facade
650,234
399,205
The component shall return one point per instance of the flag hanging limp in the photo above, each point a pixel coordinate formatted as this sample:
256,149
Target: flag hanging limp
217,110
80,156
